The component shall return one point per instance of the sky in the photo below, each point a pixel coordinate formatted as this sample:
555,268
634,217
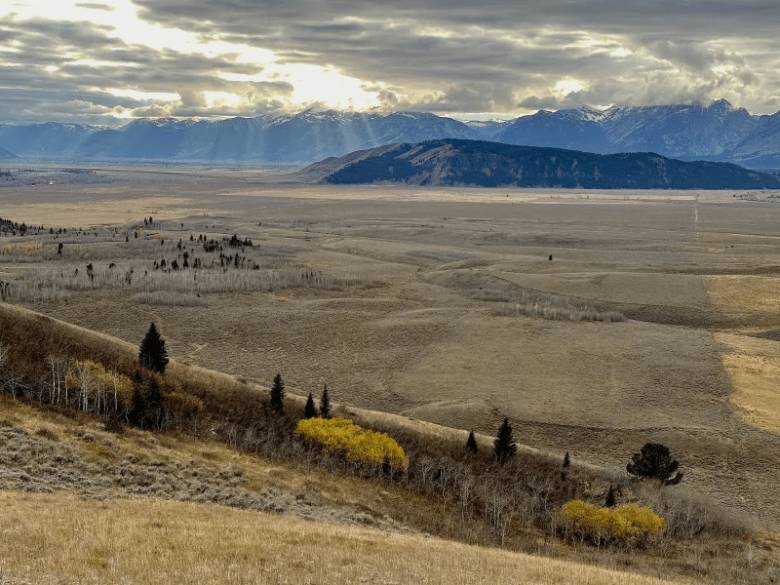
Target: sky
108,62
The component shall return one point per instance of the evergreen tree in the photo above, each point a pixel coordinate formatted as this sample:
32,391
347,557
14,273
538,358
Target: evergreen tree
152,354
155,405
277,395
566,460
138,407
325,403
471,444
310,411
504,445
655,462
610,501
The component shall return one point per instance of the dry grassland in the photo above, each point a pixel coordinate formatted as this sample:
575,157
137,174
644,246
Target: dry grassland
64,539
415,327
753,366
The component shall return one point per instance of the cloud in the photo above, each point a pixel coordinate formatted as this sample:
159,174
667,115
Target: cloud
422,55
93,6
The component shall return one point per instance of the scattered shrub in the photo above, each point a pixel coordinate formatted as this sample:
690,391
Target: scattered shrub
338,434
655,462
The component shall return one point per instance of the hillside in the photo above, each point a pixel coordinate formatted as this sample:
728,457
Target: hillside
490,164
61,451
142,508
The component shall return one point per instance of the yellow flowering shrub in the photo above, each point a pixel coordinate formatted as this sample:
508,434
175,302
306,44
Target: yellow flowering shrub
339,434
628,522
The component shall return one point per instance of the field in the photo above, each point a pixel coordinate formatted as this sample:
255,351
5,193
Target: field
595,321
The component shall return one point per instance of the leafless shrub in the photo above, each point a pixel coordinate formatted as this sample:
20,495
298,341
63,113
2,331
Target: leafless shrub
170,299
52,284
690,514
556,312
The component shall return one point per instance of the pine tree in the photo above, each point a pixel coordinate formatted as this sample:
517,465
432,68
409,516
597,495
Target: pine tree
655,462
138,407
566,460
504,445
155,405
310,411
277,395
471,444
610,501
325,403
152,354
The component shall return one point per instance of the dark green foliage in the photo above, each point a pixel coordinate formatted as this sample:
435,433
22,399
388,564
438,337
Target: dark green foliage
310,411
138,408
471,444
610,502
566,460
155,406
325,403
655,462
504,445
148,408
152,354
277,395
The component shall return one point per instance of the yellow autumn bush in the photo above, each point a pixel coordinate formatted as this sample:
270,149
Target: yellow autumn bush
628,523
339,434
94,378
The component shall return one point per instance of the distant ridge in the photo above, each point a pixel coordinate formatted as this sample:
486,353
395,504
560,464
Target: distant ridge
718,132
6,154
451,162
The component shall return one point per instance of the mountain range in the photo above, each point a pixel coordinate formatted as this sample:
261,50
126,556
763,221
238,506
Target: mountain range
718,132
453,162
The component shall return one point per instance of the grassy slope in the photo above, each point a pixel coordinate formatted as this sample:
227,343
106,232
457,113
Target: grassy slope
156,541
327,497
79,535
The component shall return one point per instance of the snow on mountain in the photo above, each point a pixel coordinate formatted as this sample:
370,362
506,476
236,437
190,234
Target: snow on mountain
687,131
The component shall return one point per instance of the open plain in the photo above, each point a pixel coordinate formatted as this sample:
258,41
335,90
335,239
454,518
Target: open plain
596,321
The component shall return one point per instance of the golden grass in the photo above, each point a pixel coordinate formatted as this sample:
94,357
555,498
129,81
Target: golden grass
735,295
753,367
152,541
22,247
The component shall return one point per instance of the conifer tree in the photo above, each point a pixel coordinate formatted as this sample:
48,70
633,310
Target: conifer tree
566,460
325,403
471,444
610,501
277,395
310,411
152,354
504,445
155,405
138,407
